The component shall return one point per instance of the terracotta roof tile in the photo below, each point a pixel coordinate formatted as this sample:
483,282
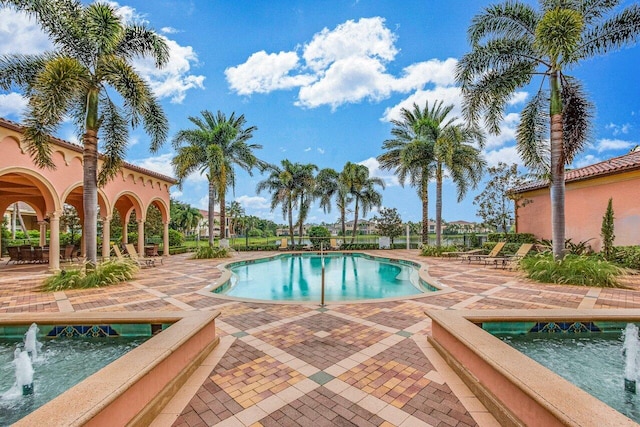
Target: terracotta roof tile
625,163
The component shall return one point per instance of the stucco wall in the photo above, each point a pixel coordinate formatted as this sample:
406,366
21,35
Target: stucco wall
585,205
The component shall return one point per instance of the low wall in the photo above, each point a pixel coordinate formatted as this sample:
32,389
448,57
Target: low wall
517,390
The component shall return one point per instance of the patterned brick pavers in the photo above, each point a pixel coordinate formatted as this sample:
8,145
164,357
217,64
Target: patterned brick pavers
298,365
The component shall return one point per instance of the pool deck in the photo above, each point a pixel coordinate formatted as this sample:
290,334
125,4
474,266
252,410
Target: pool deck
366,364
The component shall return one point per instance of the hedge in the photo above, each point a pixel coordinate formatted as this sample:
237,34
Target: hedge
512,237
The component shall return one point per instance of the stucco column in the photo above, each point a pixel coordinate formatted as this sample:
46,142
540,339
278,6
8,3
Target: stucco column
54,242
43,233
125,232
106,237
140,237
165,239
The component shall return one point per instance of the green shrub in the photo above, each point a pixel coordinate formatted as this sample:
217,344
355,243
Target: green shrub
508,248
437,251
175,250
319,235
511,237
572,270
176,238
105,274
358,246
627,256
208,252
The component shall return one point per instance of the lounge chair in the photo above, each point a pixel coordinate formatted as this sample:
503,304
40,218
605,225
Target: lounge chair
152,251
462,253
480,257
116,250
510,260
142,262
283,245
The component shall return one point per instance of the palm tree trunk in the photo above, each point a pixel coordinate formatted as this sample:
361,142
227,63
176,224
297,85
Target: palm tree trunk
90,196
439,205
223,215
343,221
291,221
211,214
425,212
355,221
557,189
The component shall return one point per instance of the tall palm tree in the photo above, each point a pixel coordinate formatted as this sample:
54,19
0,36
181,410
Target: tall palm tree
91,62
410,153
214,147
511,43
362,188
235,212
453,152
282,186
304,192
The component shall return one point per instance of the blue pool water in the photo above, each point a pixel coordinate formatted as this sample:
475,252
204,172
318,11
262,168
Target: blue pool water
347,277
592,361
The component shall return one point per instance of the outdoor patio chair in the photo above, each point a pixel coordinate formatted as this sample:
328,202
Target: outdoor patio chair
26,254
480,257
462,253
283,245
151,250
333,245
14,254
510,260
142,262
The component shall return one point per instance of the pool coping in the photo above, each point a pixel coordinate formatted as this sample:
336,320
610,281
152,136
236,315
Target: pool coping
133,389
516,389
423,272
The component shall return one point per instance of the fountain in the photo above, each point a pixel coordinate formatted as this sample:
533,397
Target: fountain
631,351
31,344
24,372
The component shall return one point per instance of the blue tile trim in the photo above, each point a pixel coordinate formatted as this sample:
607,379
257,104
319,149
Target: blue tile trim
92,331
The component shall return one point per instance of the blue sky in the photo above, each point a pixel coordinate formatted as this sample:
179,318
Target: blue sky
321,80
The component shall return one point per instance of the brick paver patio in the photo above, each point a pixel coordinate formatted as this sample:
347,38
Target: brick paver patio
366,364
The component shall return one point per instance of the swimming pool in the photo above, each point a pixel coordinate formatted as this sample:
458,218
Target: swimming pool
348,277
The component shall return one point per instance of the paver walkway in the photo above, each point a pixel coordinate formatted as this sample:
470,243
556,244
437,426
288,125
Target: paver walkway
366,364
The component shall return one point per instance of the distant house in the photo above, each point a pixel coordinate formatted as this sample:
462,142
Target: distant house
462,226
588,190
203,224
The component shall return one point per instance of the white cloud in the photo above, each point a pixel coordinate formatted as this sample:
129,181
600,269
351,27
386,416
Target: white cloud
508,129
448,95
169,30
263,73
343,65
508,155
366,38
619,129
160,164
320,150
175,193
613,144
307,149
12,104
373,165
174,79
21,34
253,202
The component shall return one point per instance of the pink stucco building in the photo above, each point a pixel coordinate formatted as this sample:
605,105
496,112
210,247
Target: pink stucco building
47,190
588,190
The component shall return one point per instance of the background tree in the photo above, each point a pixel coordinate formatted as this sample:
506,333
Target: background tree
453,152
389,223
607,232
213,148
89,68
282,186
235,212
319,236
410,154
70,221
304,192
496,205
361,187
184,217
511,43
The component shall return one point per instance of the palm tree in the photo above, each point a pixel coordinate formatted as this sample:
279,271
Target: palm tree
511,43
90,63
452,150
361,188
411,154
235,211
282,186
216,145
304,192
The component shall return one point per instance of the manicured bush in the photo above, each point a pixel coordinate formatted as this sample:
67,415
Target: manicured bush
319,235
176,238
208,252
572,270
508,248
511,237
437,251
105,274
